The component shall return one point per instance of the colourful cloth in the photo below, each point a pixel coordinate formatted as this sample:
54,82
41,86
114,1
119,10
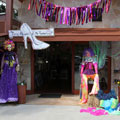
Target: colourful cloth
95,111
115,113
109,105
84,86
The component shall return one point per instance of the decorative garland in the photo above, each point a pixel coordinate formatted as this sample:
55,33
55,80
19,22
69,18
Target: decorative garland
69,15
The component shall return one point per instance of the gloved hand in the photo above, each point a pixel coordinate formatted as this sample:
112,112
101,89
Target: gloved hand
18,68
1,71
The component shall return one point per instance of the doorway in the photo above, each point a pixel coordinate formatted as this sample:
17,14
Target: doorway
53,68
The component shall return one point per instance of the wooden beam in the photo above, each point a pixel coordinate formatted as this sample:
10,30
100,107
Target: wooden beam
87,31
3,34
9,13
86,34
74,38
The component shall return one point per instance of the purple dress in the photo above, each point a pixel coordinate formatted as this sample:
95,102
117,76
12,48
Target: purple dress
8,80
89,68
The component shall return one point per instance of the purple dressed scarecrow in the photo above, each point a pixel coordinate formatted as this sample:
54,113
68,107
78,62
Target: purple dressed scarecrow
9,68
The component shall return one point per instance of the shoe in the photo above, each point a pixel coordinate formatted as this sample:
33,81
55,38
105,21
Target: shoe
93,93
28,33
83,102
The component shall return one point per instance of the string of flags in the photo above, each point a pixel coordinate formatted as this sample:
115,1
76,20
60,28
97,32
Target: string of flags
69,15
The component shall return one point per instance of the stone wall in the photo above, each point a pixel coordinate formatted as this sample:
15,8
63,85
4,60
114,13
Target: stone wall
24,57
110,20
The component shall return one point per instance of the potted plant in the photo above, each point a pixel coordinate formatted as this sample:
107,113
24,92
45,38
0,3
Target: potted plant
21,87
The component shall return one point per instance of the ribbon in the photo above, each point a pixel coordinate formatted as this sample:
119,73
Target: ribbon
83,17
29,6
44,9
47,11
64,18
36,6
73,15
57,11
33,4
86,15
90,14
51,9
68,16
40,10
61,15
109,3
54,10
77,16
70,22
40,1
106,6
103,7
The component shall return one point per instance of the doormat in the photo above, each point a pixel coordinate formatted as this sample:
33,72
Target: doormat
50,95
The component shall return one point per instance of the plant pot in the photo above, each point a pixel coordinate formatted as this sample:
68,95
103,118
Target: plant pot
22,94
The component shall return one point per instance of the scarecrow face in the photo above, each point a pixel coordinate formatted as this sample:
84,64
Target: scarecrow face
88,54
9,47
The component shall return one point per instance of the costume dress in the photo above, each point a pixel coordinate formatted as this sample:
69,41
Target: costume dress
8,81
89,70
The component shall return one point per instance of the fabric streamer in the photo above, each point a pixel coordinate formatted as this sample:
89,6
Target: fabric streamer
29,6
69,15
79,13
43,10
73,15
83,17
57,11
36,6
64,15
61,15
54,8
86,15
76,16
40,10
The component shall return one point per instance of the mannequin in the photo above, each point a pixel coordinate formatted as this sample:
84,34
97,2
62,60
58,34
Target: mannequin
89,70
9,68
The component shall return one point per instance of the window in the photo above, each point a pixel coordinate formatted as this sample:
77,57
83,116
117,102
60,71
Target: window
3,10
97,15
